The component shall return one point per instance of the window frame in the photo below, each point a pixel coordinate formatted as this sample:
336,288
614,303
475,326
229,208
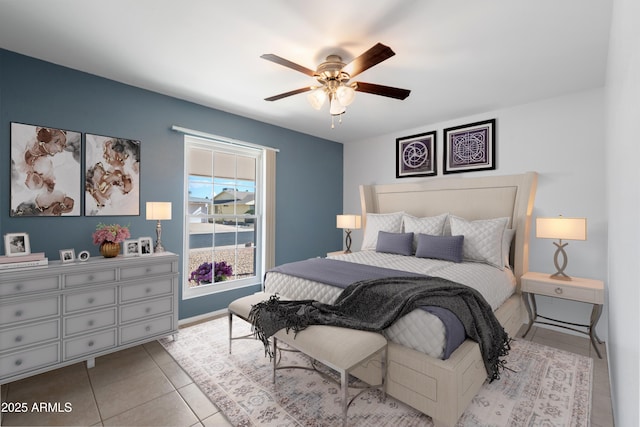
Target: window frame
235,148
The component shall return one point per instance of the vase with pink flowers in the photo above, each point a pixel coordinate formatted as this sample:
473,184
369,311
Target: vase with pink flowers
109,237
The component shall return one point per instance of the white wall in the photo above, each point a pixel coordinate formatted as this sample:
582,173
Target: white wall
563,139
623,190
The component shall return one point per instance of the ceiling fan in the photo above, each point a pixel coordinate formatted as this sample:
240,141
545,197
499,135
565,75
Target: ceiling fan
334,77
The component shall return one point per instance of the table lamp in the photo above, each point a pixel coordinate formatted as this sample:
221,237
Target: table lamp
561,228
158,211
348,223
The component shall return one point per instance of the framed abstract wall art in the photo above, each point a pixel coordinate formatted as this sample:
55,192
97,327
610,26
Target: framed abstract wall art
112,176
416,155
45,171
470,147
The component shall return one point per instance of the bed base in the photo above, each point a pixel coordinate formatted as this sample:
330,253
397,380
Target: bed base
441,389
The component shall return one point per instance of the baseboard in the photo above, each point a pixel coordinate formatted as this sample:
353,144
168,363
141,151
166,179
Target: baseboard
203,317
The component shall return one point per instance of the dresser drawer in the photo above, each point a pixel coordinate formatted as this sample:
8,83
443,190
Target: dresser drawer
92,299
22,361
31,309
89,344
143,309
141,330
162,286
30,334
146,270
90,321
18,286
90,277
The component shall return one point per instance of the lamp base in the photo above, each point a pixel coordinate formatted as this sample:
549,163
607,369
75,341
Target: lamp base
560,274
347,241
158,247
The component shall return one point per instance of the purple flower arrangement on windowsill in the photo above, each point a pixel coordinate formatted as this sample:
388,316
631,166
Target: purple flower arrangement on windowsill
211,272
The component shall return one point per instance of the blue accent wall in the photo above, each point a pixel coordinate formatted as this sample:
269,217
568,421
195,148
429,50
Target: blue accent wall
308,177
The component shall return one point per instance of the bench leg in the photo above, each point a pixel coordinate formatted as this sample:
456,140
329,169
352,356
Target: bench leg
275,349
344,386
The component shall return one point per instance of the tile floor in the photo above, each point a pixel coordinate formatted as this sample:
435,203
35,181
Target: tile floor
144,386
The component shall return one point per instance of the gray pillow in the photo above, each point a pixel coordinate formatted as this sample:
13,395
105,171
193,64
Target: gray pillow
395,243
448,248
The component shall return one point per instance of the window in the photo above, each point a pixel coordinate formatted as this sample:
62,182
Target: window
224,216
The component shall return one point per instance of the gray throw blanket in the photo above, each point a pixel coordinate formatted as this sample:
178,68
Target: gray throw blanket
373,305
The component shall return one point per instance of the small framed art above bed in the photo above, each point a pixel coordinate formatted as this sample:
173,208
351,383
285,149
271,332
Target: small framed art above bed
472,231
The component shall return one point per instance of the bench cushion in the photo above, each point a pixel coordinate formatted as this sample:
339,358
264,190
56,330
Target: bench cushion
338,348
242,306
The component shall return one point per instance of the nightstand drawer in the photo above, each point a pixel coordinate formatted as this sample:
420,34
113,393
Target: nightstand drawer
31,334
560,290
93,299
89,344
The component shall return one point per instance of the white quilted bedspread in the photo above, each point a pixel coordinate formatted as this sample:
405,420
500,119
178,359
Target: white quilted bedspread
418,330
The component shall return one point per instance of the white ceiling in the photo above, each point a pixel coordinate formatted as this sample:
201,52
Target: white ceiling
458,57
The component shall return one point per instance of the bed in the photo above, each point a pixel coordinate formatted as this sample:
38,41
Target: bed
418,373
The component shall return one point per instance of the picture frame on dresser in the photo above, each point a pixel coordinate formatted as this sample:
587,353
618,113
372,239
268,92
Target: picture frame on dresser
416,155
470,147
67,255
131,247
45,171
16,244
112,176
146,246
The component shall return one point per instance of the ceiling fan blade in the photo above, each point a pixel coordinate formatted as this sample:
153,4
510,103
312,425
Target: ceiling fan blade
391,92
284,95
285,62
373,56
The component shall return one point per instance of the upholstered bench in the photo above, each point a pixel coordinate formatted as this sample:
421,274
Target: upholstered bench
341,349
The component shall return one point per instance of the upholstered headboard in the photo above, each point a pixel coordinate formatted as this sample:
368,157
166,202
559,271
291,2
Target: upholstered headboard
471,198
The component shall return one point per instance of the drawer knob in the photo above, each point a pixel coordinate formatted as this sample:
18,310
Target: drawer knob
148,290
90,343
559,291
90,277
19,287
91,300
19,338
148,328
18,362
149,270
18,313
91,322
147,310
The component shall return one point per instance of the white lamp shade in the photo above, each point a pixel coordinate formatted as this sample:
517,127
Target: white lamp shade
345,95
316,98
350,222
561,228
336,107
158,210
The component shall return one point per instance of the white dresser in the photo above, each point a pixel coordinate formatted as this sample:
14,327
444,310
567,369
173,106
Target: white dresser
66,313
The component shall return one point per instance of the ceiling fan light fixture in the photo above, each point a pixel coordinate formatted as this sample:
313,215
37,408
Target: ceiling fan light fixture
345,94
317,97
336,107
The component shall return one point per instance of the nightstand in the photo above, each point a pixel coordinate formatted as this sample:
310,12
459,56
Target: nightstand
578,289
335,253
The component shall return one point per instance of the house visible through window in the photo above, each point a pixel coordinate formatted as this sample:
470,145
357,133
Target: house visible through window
223,216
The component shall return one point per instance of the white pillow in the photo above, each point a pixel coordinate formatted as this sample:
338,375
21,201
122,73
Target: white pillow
391,223
432,225
482,239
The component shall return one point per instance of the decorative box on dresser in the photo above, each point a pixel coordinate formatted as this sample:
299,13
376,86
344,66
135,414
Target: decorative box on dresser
65,313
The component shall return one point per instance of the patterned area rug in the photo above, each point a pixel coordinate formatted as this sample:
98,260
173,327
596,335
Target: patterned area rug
549,387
